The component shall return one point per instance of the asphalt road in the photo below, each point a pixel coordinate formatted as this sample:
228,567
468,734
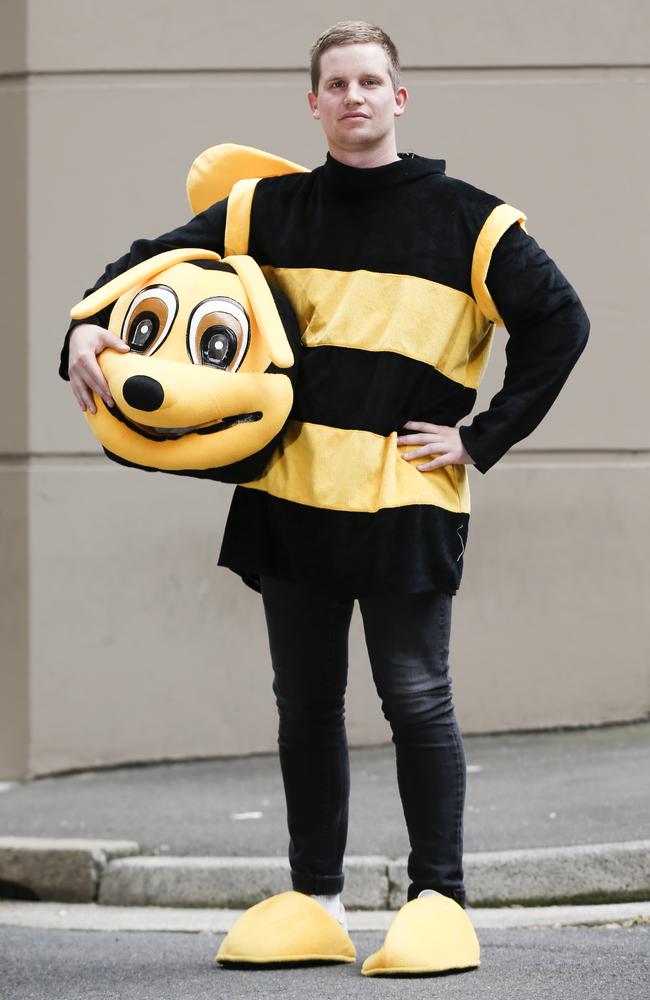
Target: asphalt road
553,964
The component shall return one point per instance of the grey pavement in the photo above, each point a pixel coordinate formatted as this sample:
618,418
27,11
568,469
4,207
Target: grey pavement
550,815
183,920
544,789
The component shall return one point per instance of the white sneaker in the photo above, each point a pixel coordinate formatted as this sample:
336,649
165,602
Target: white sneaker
342,919
335,907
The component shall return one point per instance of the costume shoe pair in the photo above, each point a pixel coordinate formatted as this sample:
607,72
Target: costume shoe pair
430,934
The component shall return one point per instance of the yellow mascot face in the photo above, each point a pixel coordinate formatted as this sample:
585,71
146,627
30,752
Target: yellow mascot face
207,385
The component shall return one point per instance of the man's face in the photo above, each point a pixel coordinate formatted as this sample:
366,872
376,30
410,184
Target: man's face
356,103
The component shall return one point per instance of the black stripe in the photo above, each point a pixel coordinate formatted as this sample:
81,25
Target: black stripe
375,391
352,233
419,547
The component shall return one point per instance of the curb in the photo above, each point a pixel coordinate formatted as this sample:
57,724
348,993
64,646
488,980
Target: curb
118,873
68,870
228,882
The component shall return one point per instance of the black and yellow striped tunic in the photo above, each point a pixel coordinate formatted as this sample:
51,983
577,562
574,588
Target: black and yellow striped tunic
395,273
386,269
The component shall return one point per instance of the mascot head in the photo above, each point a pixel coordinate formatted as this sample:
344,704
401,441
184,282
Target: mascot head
208,383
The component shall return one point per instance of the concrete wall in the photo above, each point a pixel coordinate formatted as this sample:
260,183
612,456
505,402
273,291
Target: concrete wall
123,640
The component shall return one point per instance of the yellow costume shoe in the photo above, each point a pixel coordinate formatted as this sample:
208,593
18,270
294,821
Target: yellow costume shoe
286,929
430,934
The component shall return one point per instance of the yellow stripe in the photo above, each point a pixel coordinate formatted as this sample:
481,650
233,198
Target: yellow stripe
496,224
415,317
238,217
350,470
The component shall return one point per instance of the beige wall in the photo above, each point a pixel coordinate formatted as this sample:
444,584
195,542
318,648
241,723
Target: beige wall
14,469
73,35
124,641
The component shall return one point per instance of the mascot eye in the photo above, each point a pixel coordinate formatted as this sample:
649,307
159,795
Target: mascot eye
142,330
218,334
149,318
218,346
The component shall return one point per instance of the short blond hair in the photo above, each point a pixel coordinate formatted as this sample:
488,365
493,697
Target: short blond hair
349,33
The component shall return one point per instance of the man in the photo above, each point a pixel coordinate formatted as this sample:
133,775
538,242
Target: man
398,274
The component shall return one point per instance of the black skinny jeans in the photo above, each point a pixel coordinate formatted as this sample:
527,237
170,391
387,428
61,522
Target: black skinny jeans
407,636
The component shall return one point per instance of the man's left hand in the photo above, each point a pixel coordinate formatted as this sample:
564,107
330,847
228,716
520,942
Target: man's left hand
434,439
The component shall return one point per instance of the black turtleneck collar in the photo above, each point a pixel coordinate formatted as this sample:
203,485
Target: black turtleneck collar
408,167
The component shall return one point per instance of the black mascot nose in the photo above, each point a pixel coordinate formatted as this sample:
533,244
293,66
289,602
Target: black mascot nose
143,393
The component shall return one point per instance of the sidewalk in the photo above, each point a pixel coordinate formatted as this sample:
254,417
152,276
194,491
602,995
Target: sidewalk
551,817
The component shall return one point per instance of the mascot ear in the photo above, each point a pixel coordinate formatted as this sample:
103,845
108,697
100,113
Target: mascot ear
264,309
135,276
214,173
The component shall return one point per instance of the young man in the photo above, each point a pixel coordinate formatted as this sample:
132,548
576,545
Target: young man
398,274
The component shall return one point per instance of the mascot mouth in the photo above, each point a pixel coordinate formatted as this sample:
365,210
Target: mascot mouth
174,433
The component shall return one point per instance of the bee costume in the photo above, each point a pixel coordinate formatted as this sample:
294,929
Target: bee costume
387,271
398,276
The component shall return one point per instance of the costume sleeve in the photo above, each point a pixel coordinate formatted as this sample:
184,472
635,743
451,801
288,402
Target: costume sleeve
548,329
205,231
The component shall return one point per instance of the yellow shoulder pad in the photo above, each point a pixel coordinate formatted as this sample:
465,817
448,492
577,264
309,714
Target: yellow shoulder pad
498,221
